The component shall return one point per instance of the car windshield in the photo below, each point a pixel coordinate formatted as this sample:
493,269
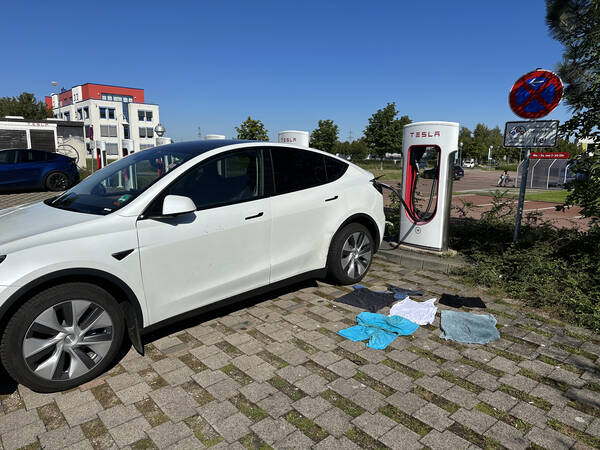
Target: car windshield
120,182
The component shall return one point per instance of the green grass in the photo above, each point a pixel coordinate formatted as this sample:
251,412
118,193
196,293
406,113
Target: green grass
554,196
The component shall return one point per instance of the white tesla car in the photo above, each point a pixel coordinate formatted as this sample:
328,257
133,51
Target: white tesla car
166,232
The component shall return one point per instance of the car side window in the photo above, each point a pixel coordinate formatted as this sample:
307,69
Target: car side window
296,169
8,157
231,178
335,168
30,156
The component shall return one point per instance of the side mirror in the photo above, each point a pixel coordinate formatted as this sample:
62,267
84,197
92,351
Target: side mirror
176,205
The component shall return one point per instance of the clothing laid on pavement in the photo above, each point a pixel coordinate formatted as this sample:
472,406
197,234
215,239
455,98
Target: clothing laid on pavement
421,313
470,328
379,329
402,292
456,301
365,298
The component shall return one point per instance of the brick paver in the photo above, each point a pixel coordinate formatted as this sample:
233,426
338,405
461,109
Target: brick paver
275,373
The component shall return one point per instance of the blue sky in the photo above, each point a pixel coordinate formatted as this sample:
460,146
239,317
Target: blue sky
211,64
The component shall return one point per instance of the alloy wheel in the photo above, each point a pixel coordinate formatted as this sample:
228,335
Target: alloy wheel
356,254
68,340
58,182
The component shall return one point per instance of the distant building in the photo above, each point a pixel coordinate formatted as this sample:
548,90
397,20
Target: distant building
51,135
115,115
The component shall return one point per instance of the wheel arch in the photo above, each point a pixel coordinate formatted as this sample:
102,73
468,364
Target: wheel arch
114,285
368,222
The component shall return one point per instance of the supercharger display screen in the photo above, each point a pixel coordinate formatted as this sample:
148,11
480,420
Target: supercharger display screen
422,182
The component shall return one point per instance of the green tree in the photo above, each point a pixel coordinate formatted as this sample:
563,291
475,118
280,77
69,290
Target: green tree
383,134
356,150
325,136
481,141
25,105
576,24
253,130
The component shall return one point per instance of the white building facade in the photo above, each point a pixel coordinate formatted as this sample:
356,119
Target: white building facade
115,115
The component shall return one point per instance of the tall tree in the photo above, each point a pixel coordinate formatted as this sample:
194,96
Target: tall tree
25,105
481,141
356,150
253,130
325,136
383,134
576,24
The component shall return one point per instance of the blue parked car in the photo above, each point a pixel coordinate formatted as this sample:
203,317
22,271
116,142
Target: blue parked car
25,168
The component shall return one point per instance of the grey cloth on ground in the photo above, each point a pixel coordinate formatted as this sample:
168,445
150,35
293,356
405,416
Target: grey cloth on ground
470,328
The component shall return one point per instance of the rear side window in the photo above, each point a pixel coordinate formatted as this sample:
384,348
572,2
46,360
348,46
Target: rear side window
32,156
296,169
335,168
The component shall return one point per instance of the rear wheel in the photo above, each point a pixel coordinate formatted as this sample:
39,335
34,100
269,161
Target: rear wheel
57,181
350,254
62,337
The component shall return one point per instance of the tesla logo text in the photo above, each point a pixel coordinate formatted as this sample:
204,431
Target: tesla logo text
287,139
424,134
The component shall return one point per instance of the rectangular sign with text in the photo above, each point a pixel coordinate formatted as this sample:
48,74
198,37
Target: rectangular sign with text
552,155
531,133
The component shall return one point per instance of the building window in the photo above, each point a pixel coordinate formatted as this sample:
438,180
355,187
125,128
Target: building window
117,98
125,131
102,113
87,131
145,146
146,132
86,113
67,116
108,131
145,116
79,114
111,148
111,113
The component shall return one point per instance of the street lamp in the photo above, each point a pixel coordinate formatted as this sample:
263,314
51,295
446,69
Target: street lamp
159,130
460,154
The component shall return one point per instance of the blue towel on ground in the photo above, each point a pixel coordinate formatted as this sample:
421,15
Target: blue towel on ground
379,329
466,327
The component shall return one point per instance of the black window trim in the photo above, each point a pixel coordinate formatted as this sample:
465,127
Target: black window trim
160,197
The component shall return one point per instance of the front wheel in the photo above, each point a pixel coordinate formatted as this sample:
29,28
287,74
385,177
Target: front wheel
350,254
62,337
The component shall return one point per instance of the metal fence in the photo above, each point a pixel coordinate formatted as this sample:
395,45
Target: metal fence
545,173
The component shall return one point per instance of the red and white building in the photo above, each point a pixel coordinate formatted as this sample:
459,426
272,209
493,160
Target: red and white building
115,115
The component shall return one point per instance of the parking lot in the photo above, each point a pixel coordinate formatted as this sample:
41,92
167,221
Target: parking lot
273,372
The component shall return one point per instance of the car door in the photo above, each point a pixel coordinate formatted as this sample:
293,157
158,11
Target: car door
306,210
216,252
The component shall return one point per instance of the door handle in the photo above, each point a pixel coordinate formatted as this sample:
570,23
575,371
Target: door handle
331,199
255,216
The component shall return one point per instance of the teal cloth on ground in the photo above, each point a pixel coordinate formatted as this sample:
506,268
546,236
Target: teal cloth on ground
470,328
379,329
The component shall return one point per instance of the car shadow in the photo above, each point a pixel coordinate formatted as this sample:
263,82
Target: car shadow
193,321
8,386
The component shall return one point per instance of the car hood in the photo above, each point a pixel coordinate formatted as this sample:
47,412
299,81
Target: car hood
21,222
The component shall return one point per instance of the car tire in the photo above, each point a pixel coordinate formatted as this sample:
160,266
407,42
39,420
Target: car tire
57,181
44,349
350,254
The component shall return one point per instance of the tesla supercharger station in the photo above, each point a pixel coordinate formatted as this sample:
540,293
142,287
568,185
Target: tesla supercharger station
126,147
100,154
429,150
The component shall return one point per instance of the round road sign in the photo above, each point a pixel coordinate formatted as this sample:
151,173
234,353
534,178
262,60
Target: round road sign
535,94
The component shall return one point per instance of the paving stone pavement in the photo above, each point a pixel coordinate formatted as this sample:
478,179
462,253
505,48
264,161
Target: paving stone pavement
274,373
22,198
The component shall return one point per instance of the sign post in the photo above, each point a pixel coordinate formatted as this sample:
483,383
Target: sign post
534,95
